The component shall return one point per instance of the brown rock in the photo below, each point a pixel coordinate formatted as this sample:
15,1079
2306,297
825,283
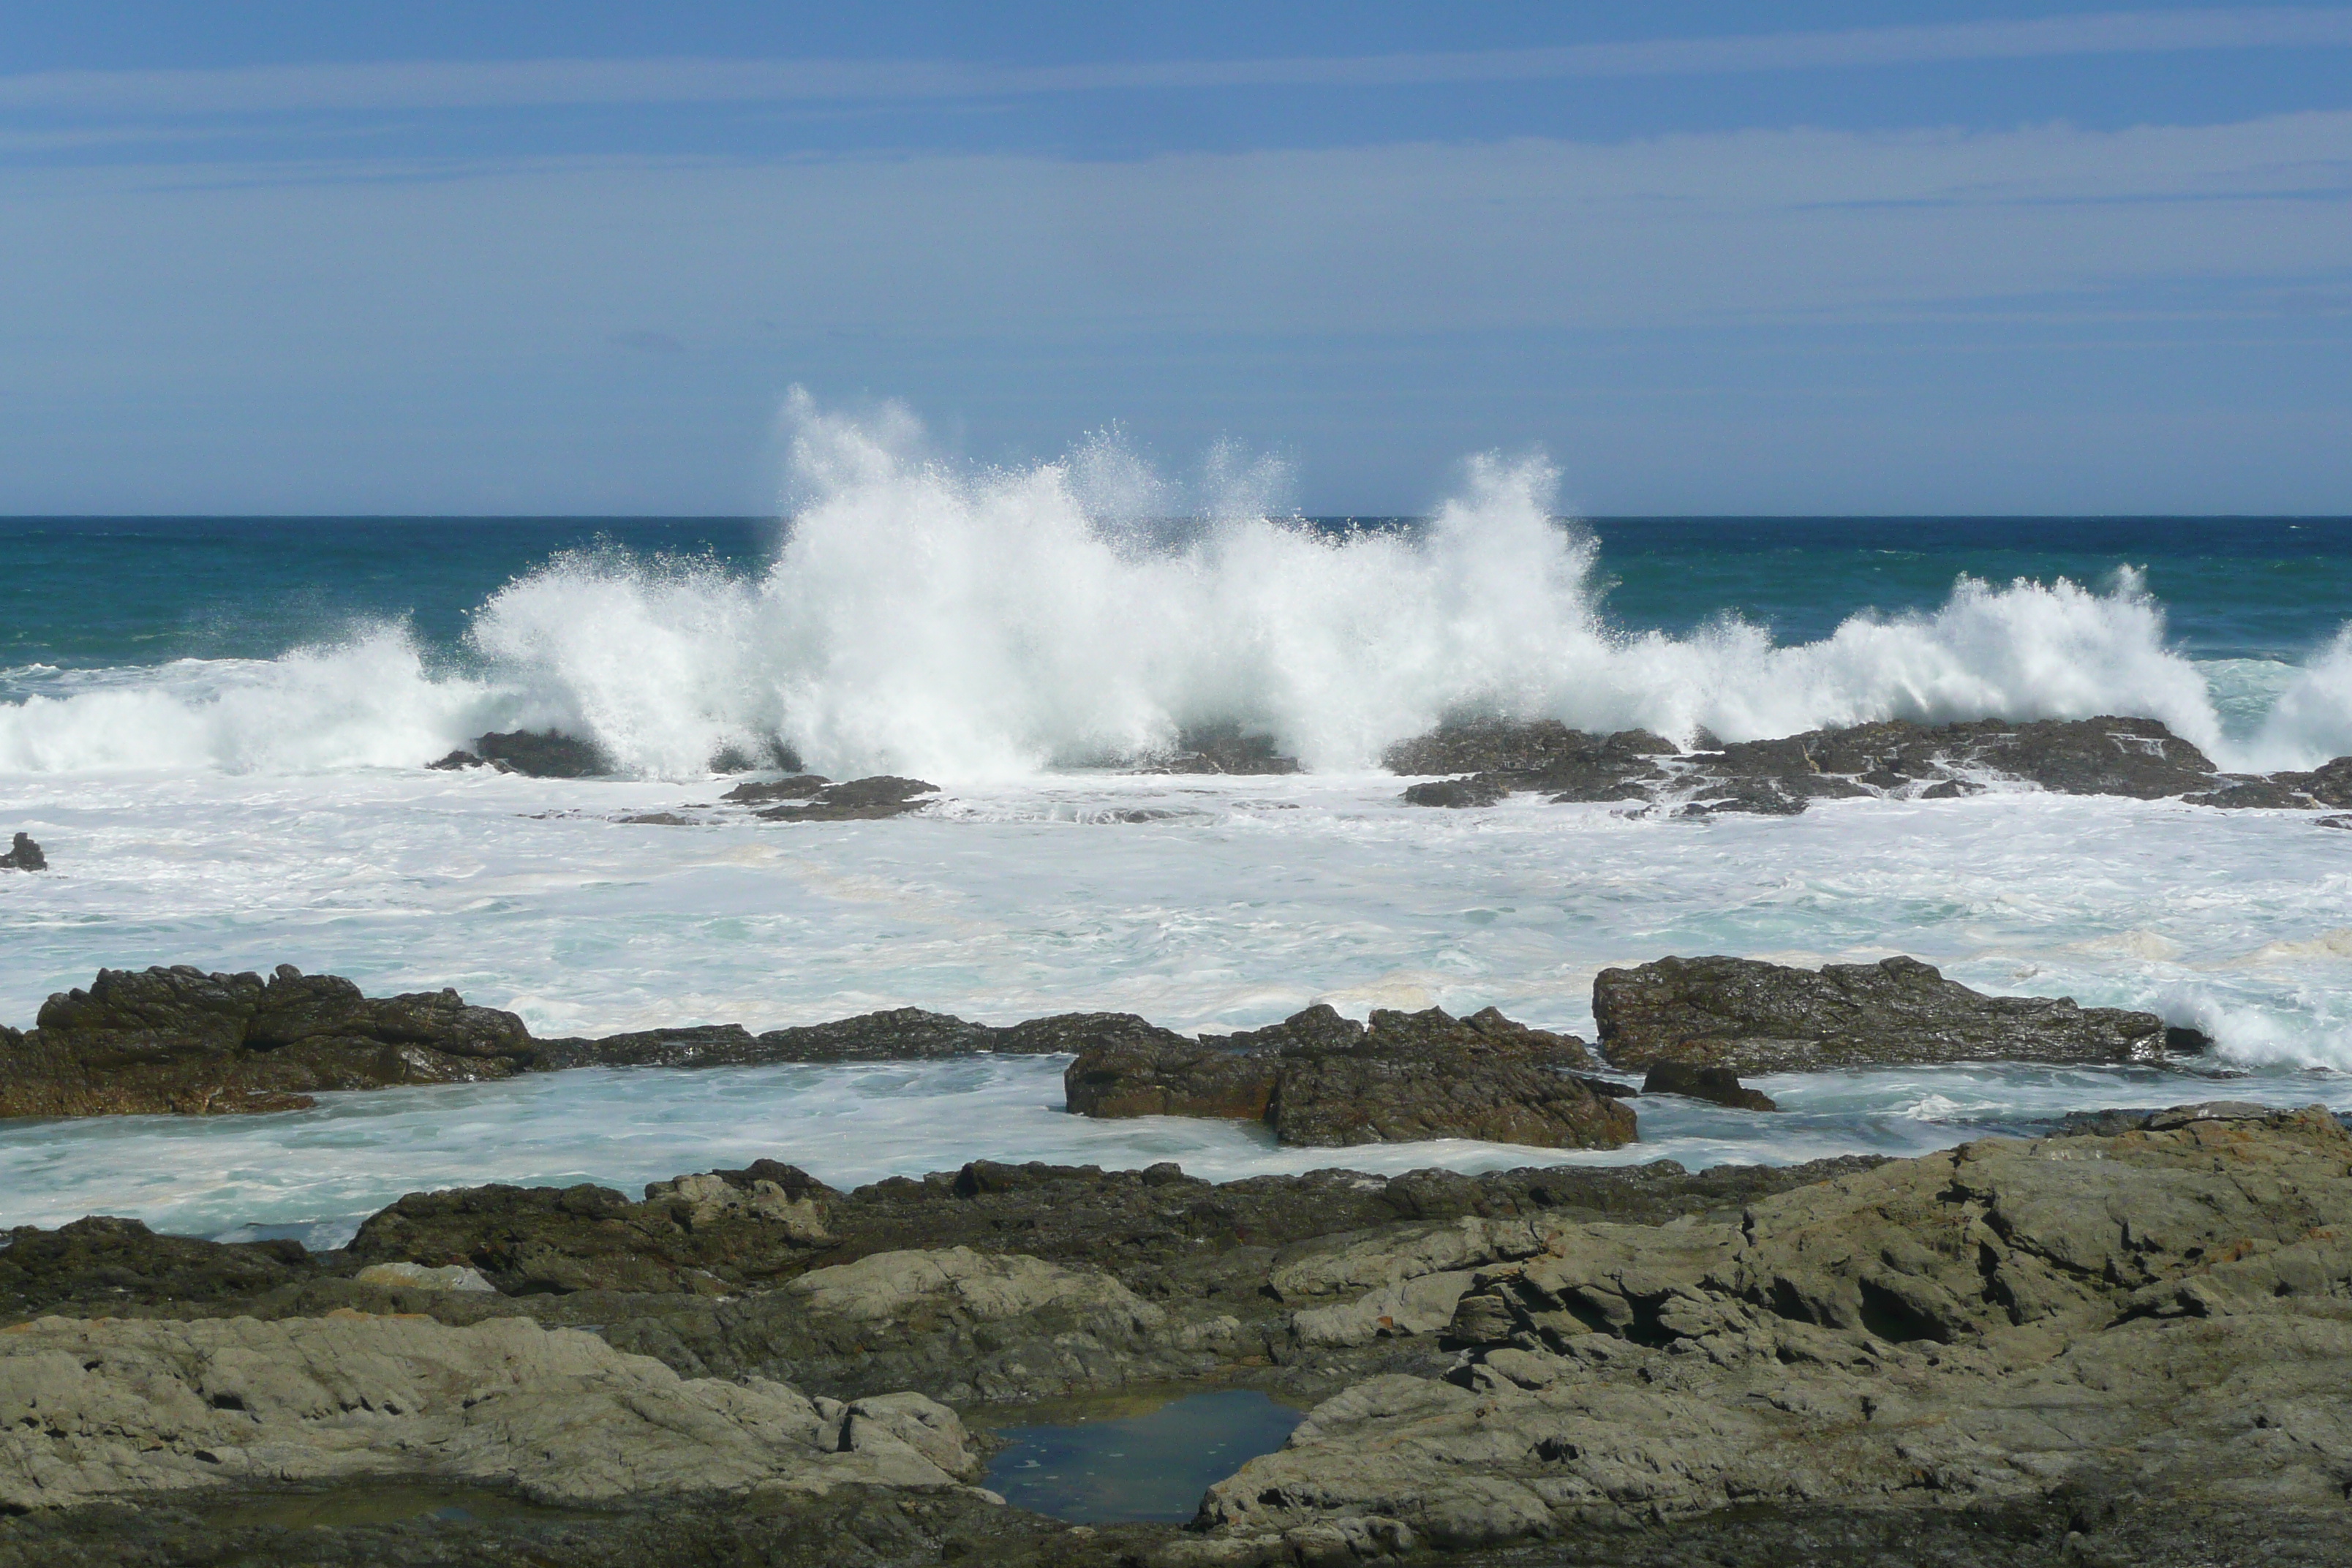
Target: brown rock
1751,1016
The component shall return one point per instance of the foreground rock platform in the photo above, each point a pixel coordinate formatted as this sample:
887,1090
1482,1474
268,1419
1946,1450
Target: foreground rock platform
2120,1344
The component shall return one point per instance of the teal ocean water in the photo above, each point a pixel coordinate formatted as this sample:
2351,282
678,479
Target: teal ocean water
219,728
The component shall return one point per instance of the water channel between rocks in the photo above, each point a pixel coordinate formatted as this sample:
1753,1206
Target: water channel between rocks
1137,1457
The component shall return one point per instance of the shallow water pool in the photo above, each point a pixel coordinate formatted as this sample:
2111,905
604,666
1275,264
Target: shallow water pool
1149,1465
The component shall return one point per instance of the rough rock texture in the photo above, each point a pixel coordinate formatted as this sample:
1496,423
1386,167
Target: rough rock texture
1322,1080
1719,1086
545,754
95,1408
2136,757
1478,789
2123,1346
900,1033
181,1040
2165,1315
1752,1016
859,800
1222,749
24,855
799,786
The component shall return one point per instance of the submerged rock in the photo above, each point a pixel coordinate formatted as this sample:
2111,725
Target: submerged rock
859,800
181,1040
1751,1016
24,855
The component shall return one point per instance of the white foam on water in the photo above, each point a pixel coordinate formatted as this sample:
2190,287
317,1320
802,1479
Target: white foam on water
316,1174
919,617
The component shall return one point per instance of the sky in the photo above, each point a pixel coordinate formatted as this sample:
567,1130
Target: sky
571,259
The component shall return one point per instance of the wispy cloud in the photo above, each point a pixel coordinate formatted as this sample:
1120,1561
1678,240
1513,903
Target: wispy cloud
522,84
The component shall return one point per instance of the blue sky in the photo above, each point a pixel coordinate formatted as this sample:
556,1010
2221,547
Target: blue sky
1712,258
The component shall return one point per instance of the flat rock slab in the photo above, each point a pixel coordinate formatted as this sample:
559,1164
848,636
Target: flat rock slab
89,1409
1751,1016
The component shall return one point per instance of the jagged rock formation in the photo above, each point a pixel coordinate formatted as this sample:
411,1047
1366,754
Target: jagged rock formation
540,754
2159,1313
1321,1079
2122,756
24,855
2124,1343
1751,1016
181,1040
1222,749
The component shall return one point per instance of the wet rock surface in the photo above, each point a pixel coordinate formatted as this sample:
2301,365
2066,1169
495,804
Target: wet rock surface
1222,749
2121,756
1716,1085
1751,1016
2125,1344
1318,1078
543,754
181,1040
2156,1316
859,800
24,855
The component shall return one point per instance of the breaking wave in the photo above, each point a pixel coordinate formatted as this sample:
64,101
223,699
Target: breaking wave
919,617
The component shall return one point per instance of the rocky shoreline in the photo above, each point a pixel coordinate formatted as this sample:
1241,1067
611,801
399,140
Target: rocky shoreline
180,1041
2122,1343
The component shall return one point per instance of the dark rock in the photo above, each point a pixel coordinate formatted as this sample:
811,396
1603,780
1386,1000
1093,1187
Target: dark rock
902,1034
1746,797
1322,1080
1224,749
737,760
24,855
1718,1085
181,1040
859,800
1481,789
91,1265
544,754
1952,789
2242,792
1363,1095
1545,755
2334,822
800,786
464,759
1171,1075
1751,1016
658,819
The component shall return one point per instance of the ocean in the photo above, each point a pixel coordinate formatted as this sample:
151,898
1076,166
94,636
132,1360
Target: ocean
218,729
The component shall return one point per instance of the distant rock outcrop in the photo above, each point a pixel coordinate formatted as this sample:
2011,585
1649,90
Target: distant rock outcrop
24,855
1750,1017
2140,758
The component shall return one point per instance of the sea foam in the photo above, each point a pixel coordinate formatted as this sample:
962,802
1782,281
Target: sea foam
917,617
